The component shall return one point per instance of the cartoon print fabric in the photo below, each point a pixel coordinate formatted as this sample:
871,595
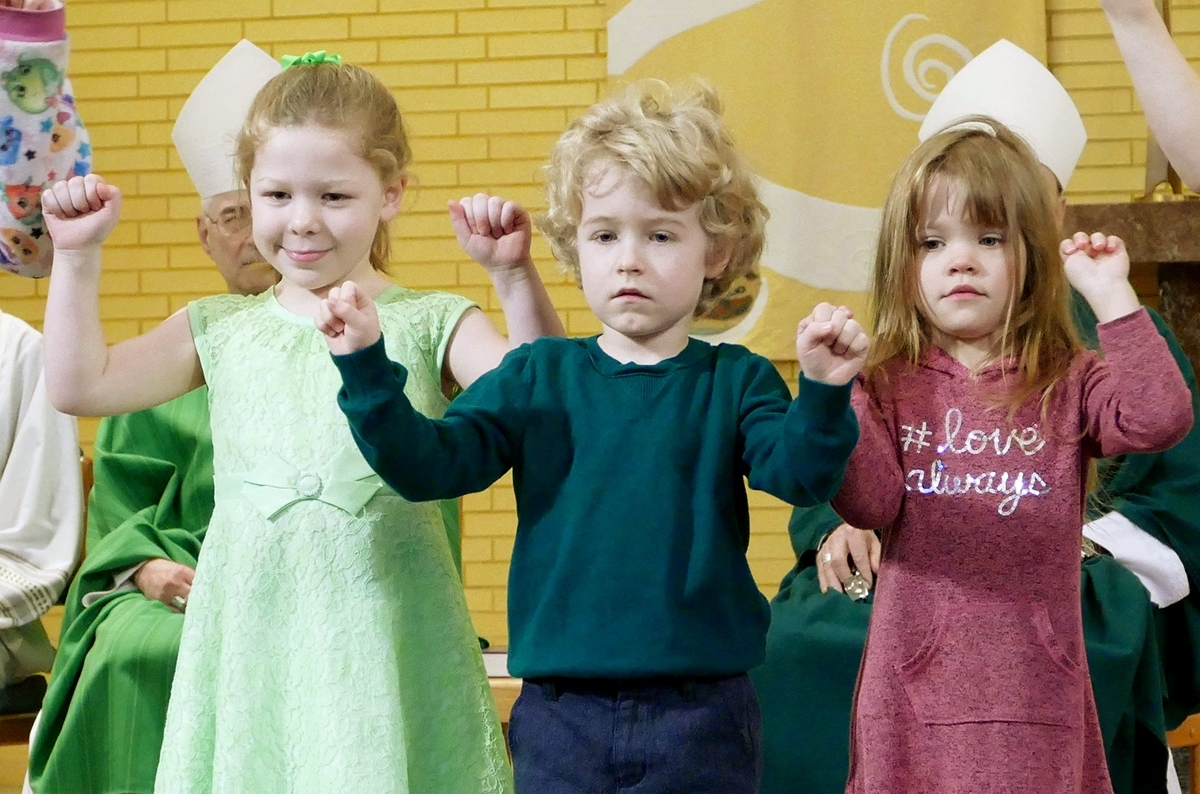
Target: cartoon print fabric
42,139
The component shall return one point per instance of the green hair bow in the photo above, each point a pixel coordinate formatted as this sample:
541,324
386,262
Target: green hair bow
310,59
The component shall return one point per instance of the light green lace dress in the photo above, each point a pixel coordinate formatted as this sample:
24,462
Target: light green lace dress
327,645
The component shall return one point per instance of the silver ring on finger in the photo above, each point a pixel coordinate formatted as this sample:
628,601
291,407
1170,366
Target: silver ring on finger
179,602
827,557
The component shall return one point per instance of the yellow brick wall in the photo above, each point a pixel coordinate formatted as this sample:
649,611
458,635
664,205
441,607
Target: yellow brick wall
486,86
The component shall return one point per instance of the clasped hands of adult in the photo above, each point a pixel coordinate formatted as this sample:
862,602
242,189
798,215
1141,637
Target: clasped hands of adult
841,547
165,580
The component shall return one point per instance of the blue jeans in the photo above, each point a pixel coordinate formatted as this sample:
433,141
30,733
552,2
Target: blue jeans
641,736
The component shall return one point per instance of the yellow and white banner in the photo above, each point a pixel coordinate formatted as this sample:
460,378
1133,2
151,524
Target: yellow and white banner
825,98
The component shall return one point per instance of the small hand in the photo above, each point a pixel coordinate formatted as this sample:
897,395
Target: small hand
80,212
164,581
1095,259
844,544
1098,266
494,232
348,319
831,345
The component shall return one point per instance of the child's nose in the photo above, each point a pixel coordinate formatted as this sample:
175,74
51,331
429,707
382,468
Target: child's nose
303,218
964,260
629,259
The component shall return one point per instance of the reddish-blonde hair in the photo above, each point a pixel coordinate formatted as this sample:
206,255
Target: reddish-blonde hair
1000,184
341,97
676,142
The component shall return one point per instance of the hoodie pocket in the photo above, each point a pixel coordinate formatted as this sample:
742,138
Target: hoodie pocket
993,663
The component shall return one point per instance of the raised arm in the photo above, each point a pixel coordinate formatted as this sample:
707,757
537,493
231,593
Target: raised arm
1136,400
84,375
497,234
1167,87
466,451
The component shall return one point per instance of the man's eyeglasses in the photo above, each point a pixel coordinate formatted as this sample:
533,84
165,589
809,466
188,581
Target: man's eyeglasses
232,220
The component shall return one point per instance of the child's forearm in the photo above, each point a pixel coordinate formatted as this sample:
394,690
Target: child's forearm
528,311
873,485
798,453
76,352
1114,302
421,459
1138,400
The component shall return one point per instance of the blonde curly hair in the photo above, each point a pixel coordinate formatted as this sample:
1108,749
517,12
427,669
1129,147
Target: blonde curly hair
675,140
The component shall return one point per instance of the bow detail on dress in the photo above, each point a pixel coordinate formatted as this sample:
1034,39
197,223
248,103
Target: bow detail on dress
346,482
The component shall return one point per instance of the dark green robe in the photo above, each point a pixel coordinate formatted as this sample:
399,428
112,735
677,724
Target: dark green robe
1142,660
103,716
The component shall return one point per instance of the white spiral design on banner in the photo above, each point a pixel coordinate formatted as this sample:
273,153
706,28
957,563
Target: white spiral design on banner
916,73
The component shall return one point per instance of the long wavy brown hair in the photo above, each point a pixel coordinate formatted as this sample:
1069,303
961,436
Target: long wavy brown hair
999,182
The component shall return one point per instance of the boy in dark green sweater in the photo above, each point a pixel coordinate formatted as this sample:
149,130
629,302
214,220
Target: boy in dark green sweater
632,610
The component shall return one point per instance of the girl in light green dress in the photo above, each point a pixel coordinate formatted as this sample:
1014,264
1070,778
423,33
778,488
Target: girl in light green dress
327,645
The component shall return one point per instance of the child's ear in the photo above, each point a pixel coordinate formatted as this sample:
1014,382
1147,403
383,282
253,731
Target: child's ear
393,195
718,260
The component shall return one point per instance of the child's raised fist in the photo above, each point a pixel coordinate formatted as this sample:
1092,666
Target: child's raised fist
495,232
348,319
831,345
80,212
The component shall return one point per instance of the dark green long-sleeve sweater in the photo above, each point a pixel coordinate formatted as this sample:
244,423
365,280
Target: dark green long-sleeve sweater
630,557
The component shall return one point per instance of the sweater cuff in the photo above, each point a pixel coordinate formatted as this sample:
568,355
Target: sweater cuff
826,405
19,24
369,370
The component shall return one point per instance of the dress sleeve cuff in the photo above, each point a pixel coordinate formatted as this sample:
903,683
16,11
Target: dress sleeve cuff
369,370
19,24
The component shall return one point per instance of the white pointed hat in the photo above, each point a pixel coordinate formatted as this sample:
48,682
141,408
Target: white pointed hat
206,130
1013,87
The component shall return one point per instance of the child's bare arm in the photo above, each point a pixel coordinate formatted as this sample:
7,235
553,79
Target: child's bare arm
84,376
497,234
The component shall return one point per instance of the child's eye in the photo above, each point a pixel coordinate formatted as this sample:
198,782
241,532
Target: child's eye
604,237
992,240
661,237
930,244
335,197
275,195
